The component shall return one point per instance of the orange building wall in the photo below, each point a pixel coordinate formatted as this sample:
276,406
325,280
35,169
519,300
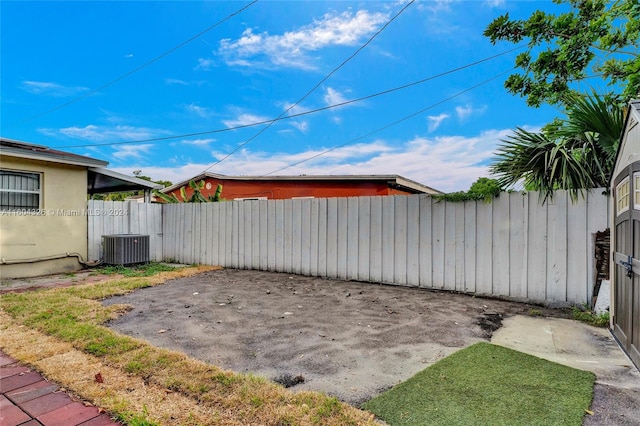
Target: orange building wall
279,190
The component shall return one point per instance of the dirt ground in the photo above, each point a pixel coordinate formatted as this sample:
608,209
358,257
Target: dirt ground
348,339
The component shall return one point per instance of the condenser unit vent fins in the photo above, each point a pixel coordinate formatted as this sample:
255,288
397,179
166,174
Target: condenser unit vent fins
125,249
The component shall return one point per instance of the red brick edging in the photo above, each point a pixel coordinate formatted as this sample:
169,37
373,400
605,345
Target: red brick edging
27,399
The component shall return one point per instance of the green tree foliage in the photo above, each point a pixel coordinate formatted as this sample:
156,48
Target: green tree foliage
484,189
196,197
594,36
574,154
139,175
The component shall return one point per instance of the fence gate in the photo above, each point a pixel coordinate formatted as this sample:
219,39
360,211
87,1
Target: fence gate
626,322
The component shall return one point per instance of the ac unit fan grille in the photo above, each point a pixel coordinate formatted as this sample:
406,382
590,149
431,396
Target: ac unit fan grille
125,249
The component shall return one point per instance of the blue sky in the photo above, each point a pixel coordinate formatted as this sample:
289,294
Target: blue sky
255,66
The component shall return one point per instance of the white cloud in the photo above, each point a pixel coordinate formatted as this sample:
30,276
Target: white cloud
302,126
52,89
447,163
495,3
171,81
436,120
198,110
94,133
333,97
126,152
204,64
292,48
244,119
198,142
464,112
436,6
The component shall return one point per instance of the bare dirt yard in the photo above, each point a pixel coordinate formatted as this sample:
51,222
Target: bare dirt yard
348,339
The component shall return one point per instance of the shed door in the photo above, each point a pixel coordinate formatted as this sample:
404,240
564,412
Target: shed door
626,322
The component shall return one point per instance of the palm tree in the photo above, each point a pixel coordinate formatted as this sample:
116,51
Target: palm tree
574,154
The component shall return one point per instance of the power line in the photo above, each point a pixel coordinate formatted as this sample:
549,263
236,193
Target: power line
300,114
390,124
146,64
325,78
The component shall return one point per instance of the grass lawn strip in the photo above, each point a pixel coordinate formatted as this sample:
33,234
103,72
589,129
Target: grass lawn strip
486,384
125,395
70,320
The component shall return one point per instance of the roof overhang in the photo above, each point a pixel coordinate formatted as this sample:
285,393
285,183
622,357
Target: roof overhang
631,120
100,181
19,149
394,181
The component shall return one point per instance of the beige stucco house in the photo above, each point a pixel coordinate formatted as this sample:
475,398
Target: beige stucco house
43,206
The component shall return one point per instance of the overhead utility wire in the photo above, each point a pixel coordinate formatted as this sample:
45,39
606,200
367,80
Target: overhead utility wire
313,111
146,64
390,124
353,55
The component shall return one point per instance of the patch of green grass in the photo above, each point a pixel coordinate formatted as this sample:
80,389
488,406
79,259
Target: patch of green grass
143,270
488,384
134,419
585,315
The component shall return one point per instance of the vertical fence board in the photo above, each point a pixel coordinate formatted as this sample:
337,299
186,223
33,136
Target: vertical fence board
343,224
470,225
438,223
459,247
426,241
449,236
296,236
214,235
288,235
314,237
375,240
400,246
501,246
270,231
518,247
413,240
537,251
364,237
557,250
388,237
279,234
322,237
305,236
352,238
263,237
484,248
332,237
578,240
236,236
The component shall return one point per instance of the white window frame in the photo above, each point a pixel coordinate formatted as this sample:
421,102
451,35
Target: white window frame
636,191
250,199
23,191
622,195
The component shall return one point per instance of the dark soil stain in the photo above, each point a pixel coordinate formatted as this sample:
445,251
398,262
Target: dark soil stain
489,323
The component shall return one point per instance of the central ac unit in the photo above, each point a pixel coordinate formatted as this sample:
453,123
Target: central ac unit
125,249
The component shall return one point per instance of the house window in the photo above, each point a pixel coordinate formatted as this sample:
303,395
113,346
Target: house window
19,190
622,196
636,191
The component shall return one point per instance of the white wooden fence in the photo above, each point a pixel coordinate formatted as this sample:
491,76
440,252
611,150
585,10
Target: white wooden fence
513,247
128,217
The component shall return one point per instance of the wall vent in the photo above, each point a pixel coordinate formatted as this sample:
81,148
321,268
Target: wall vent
125,249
